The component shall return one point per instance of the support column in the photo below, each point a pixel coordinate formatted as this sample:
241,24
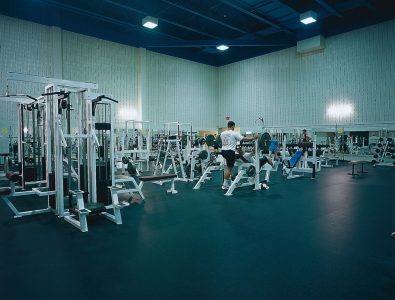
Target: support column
57,52
141,82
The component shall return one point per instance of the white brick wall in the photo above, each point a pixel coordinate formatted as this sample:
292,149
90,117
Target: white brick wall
148,85
110,65
180,90
289,89
24,47
285,88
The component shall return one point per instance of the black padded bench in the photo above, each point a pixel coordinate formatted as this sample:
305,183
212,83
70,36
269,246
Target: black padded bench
357,162
5,191
13,177
159,177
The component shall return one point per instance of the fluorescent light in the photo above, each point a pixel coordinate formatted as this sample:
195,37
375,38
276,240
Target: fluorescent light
340,110
222,47
308,20
308,17
25,130
150,22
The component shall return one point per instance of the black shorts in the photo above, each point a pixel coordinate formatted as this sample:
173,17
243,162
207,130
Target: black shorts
263,161
230,157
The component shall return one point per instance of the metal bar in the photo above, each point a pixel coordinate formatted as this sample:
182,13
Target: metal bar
58,155
34,212
160,18
287,6
48,80
212,43
12,207
104,18
328,7
205,17
257,185
20,141
262,19
76,136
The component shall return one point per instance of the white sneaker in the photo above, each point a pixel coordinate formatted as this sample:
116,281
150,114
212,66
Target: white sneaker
225,187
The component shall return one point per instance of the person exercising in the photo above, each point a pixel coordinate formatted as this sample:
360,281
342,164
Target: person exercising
229,139
305,137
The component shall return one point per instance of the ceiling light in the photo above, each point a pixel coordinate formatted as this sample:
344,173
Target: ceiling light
150,22
222,47
308,17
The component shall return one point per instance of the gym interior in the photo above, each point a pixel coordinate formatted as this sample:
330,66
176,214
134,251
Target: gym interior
200,149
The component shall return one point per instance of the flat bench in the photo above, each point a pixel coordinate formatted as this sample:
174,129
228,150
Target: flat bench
13,177
357,162
159,178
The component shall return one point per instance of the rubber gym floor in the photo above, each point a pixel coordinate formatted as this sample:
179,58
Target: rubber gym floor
326,238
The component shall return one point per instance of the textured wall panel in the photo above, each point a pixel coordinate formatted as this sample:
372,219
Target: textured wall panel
289,89
25,47
110,65
180,90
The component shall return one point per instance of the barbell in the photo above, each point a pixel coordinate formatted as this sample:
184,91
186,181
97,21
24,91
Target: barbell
203,154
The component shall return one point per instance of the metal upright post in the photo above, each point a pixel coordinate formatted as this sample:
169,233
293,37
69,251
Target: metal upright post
21,160
112,146
91,153
58,156
257,169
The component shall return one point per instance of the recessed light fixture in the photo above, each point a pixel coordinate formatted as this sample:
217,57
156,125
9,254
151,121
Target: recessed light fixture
308,17
150,22
222,47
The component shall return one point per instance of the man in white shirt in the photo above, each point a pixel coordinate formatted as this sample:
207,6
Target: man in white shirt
229,139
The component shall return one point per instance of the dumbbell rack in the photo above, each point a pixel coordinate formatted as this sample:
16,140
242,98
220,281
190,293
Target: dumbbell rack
387,150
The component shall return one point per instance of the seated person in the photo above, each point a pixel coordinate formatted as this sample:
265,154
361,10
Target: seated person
304,137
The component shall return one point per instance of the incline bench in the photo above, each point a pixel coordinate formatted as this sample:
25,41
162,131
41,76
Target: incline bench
357,162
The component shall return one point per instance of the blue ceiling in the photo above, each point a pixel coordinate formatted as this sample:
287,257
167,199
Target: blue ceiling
191,29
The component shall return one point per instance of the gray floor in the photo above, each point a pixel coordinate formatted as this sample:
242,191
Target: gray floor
302,239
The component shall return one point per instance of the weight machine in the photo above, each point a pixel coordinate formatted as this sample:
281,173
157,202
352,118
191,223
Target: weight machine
249,168
31,158
134,146
79,151
171,156
218,164
300,162
201,156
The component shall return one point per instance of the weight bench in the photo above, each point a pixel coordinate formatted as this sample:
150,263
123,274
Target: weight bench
12,177
160,178
291,163
357,162
77,215
295,165
11,191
